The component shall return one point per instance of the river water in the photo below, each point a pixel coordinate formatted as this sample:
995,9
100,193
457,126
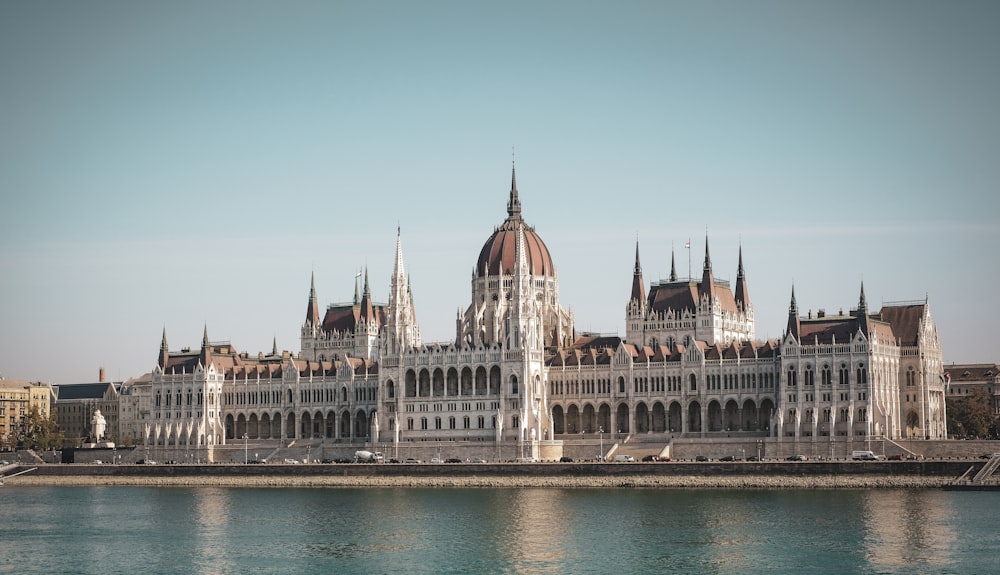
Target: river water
222,530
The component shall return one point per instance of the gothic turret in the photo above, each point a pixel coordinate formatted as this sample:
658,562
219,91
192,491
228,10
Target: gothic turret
312,309
707,285
638,286
742,296
164,350
793,327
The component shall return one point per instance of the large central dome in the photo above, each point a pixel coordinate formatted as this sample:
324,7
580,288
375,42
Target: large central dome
499,253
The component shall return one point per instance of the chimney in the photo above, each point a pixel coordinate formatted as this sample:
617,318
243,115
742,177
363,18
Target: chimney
101,375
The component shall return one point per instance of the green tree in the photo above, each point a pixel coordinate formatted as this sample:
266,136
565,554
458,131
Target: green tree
971,416
39,432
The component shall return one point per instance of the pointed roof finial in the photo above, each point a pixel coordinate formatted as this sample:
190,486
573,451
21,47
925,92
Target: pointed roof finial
638,267
513,204
673,265
274,347
862,303
742,294
708,258
204,337
638,285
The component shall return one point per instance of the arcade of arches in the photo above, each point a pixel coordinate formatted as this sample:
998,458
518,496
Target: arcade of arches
307,424
661,417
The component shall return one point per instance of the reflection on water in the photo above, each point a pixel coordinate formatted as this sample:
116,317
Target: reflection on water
533,529
908,528
173,531
211,519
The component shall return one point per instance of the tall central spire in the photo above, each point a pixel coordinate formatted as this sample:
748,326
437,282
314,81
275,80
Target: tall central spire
513,204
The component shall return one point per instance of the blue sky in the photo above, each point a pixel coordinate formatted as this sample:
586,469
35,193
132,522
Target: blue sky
177,165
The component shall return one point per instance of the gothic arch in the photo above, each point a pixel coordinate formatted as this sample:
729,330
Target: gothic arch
558,420
675,421
495,380
481,381
623,418
659,418
694,416
573,419
423,383
410,384
714,416
438,383
641,418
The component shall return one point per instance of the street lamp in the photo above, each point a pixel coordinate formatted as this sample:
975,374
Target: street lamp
600,433
246,449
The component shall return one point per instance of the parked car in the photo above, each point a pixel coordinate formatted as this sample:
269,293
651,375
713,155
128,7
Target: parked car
895,457
797,458
477,460
649,458
730,458
453,460
412,460
701,458
437,460
565,459
753,458
291,461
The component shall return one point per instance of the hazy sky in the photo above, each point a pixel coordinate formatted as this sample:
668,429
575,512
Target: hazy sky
182,164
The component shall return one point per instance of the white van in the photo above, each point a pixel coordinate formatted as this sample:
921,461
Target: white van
624,459
864,456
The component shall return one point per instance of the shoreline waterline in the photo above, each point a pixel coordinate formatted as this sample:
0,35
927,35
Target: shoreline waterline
497,481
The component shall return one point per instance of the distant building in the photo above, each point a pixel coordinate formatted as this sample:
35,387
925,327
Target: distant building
75,405
962,379
518,372
16,400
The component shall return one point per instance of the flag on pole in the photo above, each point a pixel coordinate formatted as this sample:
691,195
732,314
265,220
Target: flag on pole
357,275
687,244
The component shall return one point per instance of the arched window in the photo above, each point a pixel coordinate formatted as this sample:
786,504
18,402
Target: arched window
694,382
621,385
513,385
390,389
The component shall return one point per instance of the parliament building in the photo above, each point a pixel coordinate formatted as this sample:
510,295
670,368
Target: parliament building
518,378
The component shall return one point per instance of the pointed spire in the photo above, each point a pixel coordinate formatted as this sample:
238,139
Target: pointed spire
206,349
398,268
793,327
357,294
164,350
367,310
513,204
274,346
312,308
742,294
863,311
673,266
707,286
638,286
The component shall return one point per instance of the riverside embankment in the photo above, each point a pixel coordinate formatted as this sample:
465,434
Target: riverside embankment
740,475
